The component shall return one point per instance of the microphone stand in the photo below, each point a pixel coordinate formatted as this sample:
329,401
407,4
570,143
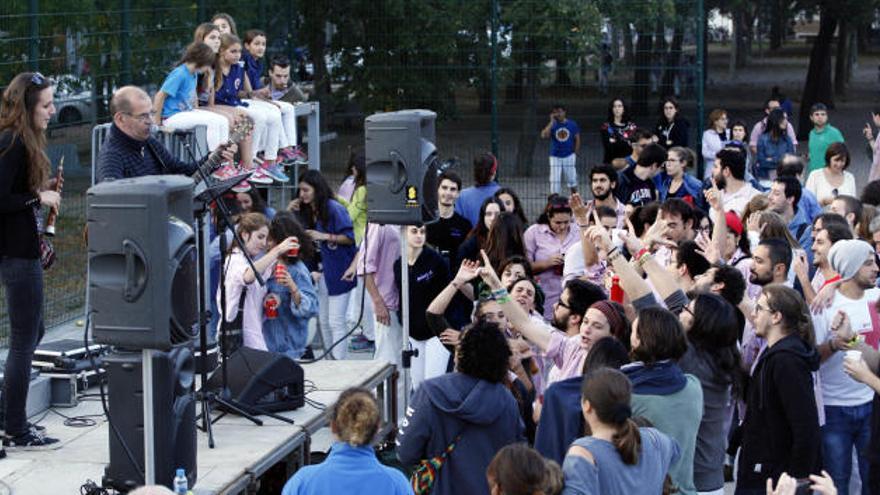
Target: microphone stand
207,396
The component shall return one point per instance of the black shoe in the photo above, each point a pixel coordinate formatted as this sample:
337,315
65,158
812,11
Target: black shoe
29,440
35,427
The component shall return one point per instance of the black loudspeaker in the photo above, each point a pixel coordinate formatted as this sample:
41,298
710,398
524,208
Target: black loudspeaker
271,382
174,410
142,262
401,167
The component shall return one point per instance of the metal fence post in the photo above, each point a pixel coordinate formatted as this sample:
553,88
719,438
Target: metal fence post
699,79
493,70
125,44
34,35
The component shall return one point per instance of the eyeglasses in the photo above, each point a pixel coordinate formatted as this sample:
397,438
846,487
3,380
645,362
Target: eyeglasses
38,79
758,307
144,117
560,303
689,311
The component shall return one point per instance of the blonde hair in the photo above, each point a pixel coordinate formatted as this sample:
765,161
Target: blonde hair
355,417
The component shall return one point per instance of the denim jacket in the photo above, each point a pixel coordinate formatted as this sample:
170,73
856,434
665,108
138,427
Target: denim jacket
288,333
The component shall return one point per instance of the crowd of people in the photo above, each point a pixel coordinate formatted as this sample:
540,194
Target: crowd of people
670,333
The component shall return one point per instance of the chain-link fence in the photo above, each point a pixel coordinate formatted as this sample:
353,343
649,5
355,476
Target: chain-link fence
490,68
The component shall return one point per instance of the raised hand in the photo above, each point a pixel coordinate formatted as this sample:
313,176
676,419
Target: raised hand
579,209
708,249
468,271
713,196
600,237
487,273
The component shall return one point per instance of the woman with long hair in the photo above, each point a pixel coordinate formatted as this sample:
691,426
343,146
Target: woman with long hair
833,180
225,23
546,243
505,239
618,457
672,129
356,202
253,229
662,393
713,357
291,290
616,132
330,226
714,138
511,202
25,188
351,466
773,145
479,235
230,80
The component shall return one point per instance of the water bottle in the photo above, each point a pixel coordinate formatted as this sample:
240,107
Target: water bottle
181,484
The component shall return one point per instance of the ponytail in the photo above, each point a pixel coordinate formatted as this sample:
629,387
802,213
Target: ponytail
628,442
609,392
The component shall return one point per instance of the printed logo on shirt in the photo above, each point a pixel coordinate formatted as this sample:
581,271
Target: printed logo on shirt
562,134
425,276
640,196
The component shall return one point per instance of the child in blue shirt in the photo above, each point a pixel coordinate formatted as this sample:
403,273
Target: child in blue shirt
175,104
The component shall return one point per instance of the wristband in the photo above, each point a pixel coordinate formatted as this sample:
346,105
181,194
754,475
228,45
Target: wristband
456,284
612,251
584,227
499,293
503,299
643,259
642,252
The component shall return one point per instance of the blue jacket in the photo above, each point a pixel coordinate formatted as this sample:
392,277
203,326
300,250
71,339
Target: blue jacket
471,199
287,334
800,228
253,68
349,470
562,420
809,205
770,152
484,414
692,187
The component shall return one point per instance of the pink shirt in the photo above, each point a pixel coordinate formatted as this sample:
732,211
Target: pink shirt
382,243
252,312
541,244
761,126
566,354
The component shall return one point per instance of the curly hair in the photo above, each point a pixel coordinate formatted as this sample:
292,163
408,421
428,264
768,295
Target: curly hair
483,352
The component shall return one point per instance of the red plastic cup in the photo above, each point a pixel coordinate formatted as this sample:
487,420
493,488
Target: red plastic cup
271,308
294,251
280,270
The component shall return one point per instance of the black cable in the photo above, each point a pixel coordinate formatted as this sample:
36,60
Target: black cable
360,314
113,428
92,488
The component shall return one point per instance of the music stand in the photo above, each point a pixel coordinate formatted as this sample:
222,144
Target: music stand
206,192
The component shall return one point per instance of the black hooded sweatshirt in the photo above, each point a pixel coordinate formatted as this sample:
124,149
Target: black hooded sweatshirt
781,427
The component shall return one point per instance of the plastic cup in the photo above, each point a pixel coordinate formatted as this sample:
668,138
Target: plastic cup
271,308
294,251
854,356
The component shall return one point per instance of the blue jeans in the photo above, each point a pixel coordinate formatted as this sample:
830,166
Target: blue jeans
846,427
23,279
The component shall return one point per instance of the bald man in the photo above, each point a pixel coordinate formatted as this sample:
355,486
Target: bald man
131,151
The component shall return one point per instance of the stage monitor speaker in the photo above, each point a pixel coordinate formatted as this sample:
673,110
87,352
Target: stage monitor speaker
174,422
142,262
401,167
271,382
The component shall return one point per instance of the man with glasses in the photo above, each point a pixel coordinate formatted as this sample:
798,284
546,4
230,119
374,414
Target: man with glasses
131,151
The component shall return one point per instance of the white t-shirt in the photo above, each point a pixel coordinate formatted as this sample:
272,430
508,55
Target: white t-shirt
819,185
838,389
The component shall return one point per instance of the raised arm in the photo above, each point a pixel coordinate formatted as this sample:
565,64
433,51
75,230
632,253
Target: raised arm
518,318
581,214
630,281
468,271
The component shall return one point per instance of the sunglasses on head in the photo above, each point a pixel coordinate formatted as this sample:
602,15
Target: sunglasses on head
38,79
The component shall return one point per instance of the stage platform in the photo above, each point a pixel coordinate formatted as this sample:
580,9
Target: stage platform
243,451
